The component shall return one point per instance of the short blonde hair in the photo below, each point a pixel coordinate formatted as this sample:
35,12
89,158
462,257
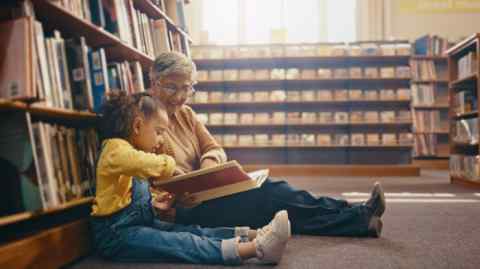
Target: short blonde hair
168,63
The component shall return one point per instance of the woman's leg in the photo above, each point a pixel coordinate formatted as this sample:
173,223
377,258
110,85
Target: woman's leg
308,214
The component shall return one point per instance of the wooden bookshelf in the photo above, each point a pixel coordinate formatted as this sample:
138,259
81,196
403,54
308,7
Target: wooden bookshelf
55,237
147,7
424,145
56,17
291,154
463,153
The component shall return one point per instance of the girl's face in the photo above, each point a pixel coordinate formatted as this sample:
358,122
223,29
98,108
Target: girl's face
174,90
147,134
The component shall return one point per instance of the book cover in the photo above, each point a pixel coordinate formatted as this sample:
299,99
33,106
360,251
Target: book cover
214,182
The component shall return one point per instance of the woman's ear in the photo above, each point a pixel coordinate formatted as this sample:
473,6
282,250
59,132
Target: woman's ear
137,124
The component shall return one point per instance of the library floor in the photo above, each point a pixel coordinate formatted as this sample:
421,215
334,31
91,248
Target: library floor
429,223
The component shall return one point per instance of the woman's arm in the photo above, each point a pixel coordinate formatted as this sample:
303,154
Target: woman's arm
211,152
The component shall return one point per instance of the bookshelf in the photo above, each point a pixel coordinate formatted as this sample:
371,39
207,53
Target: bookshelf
463,64
40,232
430,107
303,81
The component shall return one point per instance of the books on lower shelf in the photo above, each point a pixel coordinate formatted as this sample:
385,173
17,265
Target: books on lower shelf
315,139
51,165
307,95
428,95
213,182
467,65
401,72
428,70
314,117
465,102
464,166
466,131
430,121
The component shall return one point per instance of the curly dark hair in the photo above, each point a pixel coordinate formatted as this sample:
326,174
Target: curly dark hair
119,111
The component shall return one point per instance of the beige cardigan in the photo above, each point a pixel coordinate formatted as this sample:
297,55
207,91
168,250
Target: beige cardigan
188,141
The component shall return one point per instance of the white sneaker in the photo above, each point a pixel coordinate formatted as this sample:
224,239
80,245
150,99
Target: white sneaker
272,239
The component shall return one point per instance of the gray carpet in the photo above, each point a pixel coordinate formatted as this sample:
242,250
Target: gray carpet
429,223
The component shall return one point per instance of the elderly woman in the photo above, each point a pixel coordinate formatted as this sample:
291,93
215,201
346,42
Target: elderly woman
192,146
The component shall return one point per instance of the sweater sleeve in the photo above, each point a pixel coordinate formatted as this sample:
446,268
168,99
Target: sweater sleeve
120,158
209,148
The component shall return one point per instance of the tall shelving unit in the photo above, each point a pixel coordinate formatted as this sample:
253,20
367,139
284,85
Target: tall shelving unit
464,146
381,158
433,141
54,237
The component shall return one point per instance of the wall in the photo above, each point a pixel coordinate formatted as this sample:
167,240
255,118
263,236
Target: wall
404,21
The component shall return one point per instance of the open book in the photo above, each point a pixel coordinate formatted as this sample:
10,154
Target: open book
214,182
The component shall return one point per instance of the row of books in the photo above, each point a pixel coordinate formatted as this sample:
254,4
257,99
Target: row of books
304,73
219,118
312,139
64,73
467,65
300,50
430,121
121,18
300,96
55,164
428,95
426,145
428,70
431,45
465,166
466,131
465,102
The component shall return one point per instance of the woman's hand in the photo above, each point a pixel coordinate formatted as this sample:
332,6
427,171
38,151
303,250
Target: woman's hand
207,162
187,200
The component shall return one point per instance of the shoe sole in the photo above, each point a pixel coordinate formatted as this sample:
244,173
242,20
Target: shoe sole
375,227
284,229
380,209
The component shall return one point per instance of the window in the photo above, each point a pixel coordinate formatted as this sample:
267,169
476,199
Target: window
252,21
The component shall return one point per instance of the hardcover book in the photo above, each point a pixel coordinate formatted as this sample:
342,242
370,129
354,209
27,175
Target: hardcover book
214,182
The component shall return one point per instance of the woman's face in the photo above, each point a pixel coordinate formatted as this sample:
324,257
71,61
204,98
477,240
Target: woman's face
174,90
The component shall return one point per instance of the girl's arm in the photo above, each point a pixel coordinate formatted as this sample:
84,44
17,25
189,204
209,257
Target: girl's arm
120,158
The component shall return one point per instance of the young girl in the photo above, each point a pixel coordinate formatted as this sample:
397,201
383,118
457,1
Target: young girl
123,221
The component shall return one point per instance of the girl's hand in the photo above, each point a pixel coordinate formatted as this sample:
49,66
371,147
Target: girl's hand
162,204
178,172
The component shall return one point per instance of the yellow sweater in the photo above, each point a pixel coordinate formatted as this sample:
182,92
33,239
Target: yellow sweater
118,163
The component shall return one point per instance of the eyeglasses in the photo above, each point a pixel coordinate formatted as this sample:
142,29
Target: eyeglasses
187,90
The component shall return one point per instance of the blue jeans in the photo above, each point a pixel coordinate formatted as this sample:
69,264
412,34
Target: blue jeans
134,234
307,214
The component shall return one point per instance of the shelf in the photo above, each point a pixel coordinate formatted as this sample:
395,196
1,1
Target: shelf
318,61
433,132
439,106
337,170
465,181
464,82
467,115
434,162
267,125
51,113
430,58
291,103
466,44
340,147
426,81
54,17
15,218
154,12
387,82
